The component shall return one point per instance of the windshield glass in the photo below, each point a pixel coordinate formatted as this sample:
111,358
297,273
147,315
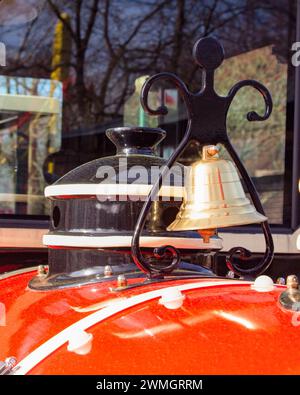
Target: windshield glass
71,70
80,65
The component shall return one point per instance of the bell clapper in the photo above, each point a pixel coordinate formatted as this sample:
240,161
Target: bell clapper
206,234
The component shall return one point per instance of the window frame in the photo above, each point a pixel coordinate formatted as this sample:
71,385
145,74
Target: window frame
42,221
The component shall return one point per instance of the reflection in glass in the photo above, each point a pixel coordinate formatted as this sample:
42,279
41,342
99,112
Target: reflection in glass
30,129
98,49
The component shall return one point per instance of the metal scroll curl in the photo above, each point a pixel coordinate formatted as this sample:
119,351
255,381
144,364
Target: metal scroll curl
245,254
206,115
159,270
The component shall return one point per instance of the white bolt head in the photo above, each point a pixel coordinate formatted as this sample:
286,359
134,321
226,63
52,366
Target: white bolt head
80,342
263,284
172,298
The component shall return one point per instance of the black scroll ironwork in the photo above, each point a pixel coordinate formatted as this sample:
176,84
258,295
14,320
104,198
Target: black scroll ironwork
207,114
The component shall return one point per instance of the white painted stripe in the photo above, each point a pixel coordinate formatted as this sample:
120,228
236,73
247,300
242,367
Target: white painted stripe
284,243
51,345
17,272
110,189
125,241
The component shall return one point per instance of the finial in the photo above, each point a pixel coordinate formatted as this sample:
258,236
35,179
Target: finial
208,53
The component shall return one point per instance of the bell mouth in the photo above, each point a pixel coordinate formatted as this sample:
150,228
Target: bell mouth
234,219
135,140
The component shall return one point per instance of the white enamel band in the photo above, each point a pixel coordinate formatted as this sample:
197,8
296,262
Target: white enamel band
51,345
125,241
69,190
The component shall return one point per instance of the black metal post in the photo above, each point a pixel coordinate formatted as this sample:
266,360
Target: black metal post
207,114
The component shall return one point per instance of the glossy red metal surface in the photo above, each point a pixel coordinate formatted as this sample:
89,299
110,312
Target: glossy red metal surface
218,330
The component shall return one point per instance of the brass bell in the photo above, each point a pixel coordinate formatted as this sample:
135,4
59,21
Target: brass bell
213,197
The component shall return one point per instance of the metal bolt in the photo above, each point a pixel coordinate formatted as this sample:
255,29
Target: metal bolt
11,362
292,282
230,274
121,281
290,298
42,270
7,366
108,271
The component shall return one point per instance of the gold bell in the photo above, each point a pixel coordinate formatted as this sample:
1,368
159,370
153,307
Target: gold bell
213,197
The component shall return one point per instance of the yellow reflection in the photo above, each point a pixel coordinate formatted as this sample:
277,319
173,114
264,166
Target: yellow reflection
234,318
155,330
196,319
96,306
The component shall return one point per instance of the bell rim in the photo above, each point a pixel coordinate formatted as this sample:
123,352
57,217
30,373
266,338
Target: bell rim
179,224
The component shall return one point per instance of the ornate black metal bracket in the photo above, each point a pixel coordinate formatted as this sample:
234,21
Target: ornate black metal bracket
206,113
